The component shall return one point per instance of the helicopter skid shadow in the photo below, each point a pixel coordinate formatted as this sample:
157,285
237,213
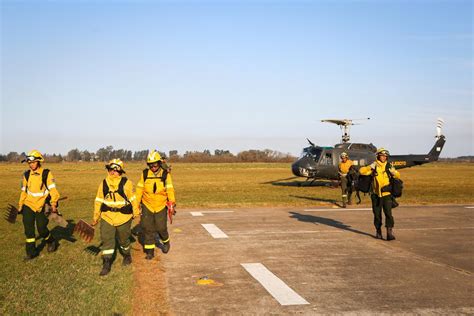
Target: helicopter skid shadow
316,199
318,183
326,221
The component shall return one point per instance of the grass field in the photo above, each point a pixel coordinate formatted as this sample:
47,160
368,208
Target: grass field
66,282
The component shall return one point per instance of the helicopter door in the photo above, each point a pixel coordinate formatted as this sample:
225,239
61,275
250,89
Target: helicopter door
326,159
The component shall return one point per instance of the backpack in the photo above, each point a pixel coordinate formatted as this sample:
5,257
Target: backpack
44,183
395,187
163,177
364,183
127,209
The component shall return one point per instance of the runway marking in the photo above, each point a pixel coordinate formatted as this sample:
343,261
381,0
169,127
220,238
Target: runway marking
332,231
337,209
209,212
214,231
274,285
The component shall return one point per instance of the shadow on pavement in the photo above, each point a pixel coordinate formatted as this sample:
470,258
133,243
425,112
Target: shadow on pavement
332,201
326,221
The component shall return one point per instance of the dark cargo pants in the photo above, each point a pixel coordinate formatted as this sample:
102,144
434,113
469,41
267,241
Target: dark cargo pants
346,197
108,234
385,203
31,217
153,223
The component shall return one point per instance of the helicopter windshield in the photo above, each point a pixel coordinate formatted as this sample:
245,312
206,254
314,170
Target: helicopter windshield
312,152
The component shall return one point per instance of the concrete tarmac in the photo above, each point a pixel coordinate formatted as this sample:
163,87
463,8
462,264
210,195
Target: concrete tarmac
328,257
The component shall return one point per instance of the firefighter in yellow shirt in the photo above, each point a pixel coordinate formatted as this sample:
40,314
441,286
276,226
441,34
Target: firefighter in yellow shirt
154,190
115,206
344,167
381,196
37,189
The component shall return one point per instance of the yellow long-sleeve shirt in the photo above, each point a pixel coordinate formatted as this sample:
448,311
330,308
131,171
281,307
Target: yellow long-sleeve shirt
34,192
153,193
344,166
382,178
115,200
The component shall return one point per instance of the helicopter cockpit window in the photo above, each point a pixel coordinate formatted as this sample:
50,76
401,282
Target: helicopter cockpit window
311,152
326,159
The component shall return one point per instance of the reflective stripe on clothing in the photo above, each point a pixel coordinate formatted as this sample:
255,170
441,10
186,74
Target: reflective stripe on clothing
99,200
150,246
108,252
125,248
39,194
23,189
164,241
116,203
169,186
53,185
30,239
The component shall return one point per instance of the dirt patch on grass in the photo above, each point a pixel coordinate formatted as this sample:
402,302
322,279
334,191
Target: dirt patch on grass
150,289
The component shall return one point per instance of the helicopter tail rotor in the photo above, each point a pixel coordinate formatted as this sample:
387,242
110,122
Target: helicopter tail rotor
439,126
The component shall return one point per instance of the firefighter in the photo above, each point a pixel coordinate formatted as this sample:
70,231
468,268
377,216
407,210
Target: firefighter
381,196
344,167
38,189
115,206
154,190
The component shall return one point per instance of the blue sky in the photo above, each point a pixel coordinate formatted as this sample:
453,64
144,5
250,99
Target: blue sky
236,75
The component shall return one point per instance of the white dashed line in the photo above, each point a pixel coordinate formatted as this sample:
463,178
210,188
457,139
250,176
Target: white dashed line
337,209
209,212
275,286
214,231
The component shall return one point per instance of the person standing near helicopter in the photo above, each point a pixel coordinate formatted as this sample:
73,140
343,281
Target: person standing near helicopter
343,169
381,196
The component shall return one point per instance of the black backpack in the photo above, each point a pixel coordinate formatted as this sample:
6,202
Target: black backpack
127,209
364,183
44,183
163,177
395,187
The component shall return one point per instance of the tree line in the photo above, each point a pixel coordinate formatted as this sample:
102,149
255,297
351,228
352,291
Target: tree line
107,153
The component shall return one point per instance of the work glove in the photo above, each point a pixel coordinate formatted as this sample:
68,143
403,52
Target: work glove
392,170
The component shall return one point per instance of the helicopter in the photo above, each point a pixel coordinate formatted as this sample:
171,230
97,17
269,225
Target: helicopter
317,162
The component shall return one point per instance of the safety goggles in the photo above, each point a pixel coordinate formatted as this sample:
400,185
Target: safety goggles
32,159
114,167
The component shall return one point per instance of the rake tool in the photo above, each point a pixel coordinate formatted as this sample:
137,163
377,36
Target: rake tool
86,231
11,214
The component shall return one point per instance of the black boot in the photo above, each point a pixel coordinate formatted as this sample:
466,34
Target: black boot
52,244
349,199
106,265
30,256
378,234
390,235
150,254
166,247
127,260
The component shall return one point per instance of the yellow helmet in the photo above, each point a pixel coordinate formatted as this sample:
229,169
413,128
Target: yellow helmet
344,155
115,164
153,156
382,152
34,155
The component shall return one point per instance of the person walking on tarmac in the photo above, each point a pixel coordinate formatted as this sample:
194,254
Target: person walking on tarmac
37,190
344,167
115,206
380,196
155,191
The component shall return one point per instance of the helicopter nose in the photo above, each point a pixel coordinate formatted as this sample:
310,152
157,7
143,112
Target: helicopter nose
303,167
